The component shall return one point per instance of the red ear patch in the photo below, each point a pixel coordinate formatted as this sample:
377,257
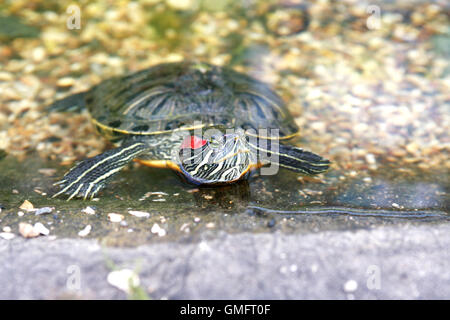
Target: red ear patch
192,142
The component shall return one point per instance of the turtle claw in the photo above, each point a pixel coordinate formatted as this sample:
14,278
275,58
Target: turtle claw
78,190
59,182
75,185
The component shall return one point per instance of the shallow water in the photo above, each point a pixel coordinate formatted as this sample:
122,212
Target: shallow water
373,101
263,204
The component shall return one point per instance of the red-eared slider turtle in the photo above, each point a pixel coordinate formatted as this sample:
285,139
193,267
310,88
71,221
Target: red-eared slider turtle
212,125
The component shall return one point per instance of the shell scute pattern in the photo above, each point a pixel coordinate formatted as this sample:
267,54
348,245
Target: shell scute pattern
163,98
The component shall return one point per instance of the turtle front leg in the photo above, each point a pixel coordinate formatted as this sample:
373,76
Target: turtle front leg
90,176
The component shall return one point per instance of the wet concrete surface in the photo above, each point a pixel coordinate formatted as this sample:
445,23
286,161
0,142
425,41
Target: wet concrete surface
262,204
403,262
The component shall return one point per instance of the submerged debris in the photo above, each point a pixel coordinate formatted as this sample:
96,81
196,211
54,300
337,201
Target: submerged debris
43,210
27,205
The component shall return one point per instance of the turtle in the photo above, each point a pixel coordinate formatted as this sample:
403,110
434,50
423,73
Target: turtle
210,124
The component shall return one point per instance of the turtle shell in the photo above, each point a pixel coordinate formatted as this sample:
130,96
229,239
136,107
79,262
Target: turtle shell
175,96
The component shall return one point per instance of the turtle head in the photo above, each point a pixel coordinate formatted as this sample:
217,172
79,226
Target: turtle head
219,159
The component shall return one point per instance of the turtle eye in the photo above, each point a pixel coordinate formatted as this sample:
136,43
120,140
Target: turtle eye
192,142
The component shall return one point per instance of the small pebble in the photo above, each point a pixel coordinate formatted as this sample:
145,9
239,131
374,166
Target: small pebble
139,214
370,158
115,217
124,279
40,228
367,179
271,223
7,229
85,231
412,147
27,230
353,173
158,230
7,235
65,82
350,286
180,4
40,192
88,210
155,228
5,76
38,54
123,223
